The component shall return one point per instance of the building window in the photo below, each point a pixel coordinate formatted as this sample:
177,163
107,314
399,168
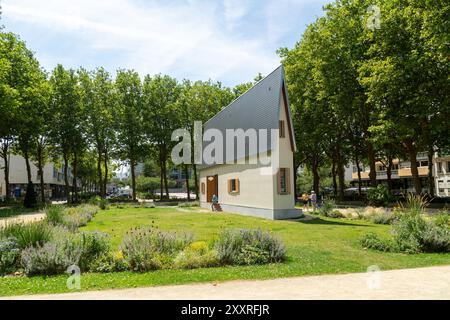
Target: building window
203,187
448,166
283,181
233,186
282,130
441,190
439,167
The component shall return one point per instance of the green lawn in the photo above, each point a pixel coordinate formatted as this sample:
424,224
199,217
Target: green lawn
317,247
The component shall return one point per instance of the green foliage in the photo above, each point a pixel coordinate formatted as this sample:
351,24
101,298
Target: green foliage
246,247
196,255
9,255
327,208
26,235
414,203
54,214
30,200
372,241
383,218
150,249
379,196
413,234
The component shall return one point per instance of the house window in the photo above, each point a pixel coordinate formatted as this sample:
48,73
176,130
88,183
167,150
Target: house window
439,168
282,131
233,186
441,190
283,181
448,166
203,187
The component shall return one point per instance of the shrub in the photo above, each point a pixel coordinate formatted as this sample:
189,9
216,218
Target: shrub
103,204
90,246
49,259
196,255
54,214
31,234
150,249
9,255
413,234
379,196
30,200
110,263
79,216
246,246
372,241
328,206
383,218
335,214
442,219
414,203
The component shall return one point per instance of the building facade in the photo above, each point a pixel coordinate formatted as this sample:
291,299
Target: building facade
401,176
53,178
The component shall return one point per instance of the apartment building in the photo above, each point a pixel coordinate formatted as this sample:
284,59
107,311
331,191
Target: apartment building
441,166
53,178
401,176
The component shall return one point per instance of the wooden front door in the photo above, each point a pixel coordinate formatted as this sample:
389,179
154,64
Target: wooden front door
211,187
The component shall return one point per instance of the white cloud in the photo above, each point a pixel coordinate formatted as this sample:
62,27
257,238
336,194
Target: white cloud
186,39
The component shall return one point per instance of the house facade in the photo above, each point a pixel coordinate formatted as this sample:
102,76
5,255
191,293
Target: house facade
53,178
249,184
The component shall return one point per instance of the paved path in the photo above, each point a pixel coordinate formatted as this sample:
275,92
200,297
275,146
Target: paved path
423,283
24,218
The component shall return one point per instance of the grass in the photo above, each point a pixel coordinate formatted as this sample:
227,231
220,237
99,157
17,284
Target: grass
322,246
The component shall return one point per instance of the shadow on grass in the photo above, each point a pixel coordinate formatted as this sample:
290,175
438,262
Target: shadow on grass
328,222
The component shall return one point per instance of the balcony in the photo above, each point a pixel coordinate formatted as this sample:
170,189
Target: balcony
406,172
364,175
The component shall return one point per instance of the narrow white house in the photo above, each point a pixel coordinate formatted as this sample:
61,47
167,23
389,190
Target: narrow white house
247,183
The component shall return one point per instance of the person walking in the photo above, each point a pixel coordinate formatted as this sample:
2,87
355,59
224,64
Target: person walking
313,198
305,199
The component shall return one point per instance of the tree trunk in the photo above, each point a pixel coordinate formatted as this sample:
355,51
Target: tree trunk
358,167
194,167
341,176
5,157
166,186
414,170
186,172
41,171
371,158
161,182
99,172
133,178
430,172
74,181
333,173
316,177
389,173
66,177
105,180
27,164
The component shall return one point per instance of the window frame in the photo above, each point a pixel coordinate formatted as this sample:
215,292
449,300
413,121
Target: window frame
233,189
282,129
284,173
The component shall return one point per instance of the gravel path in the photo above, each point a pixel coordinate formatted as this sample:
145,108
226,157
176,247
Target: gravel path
423,283
25,218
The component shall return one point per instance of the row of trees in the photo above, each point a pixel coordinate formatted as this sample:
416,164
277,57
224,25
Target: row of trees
369,82
85,119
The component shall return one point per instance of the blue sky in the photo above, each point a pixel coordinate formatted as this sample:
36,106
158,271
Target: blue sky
225,40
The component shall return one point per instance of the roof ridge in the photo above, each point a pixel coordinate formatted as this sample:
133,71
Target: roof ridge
273,71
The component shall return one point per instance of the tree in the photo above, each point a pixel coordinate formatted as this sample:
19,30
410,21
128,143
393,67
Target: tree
20,83
98,98
129,123
66,124
160,94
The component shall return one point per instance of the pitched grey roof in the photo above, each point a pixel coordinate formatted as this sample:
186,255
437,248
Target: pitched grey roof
257,108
